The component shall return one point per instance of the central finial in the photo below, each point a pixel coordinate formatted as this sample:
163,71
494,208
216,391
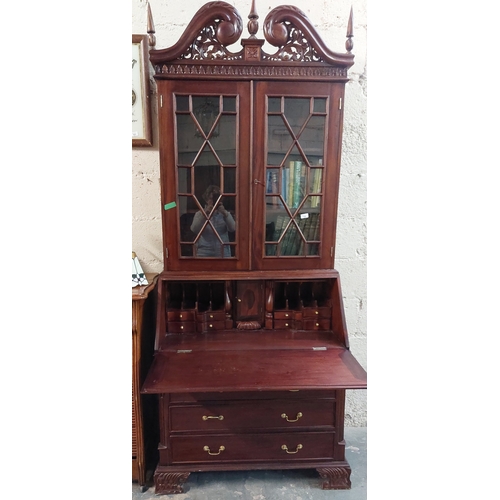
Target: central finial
253,24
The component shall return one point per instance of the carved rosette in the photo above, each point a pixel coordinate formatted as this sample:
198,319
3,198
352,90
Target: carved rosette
335,478
168,483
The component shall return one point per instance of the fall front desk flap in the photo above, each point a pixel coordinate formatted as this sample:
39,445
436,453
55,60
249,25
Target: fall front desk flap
226,367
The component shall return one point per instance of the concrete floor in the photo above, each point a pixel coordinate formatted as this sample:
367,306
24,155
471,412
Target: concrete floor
273,485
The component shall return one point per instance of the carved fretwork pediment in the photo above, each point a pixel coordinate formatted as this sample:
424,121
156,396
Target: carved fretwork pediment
218,25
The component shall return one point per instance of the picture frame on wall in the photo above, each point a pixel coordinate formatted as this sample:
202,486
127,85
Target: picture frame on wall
141,105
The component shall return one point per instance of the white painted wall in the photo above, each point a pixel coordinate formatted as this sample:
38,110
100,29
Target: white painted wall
330,18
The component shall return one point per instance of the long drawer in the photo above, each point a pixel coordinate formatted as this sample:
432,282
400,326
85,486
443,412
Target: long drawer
251,447
247,415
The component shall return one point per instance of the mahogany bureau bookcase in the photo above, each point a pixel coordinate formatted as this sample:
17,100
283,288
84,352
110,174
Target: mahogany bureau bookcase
252,356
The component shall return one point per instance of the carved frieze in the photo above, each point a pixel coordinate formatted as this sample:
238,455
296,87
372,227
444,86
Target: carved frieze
251,70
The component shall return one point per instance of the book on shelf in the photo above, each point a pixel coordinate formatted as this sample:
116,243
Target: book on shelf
299,183
296,183
316,187
293,244
303,223
291,180
284,183
285,243
314,231
272,187
278,227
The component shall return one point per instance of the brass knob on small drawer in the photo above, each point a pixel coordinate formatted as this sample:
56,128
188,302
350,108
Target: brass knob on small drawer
218,417
285,416
221,448
285,447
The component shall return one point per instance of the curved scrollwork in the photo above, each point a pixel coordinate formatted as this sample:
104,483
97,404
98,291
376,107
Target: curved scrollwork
214,26
289,29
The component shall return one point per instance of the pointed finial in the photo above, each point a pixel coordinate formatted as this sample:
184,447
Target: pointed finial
349,43
151,28
253,24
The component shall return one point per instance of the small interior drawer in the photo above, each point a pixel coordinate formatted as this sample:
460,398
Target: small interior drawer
316,324
211,325
317,312
284,324
180,315
211,316
181,326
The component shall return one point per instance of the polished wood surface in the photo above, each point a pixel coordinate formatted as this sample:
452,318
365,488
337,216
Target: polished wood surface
255,370
140,295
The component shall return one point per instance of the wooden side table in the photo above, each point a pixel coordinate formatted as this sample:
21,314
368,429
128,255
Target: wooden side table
143,322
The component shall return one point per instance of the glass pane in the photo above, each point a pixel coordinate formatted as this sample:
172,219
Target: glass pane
229,180
229,104
311,227
313,249
291,241
271,249
298,183
312,138
272,180
294,180
206,142
186,209
206,112
276,219
279,140
188,144
206,176
182,103
224,143
184,180
215,225
274,104
320,105
297,111
315,176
